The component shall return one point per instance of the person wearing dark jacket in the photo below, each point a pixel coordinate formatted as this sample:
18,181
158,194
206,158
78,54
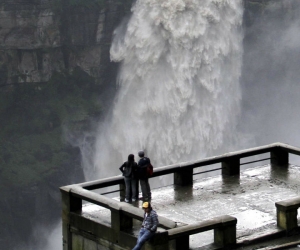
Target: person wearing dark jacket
149,226
128,170
143,177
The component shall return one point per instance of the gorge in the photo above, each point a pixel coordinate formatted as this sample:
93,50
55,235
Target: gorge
58,83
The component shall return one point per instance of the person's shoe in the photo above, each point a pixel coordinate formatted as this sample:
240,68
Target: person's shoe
126,200
133,200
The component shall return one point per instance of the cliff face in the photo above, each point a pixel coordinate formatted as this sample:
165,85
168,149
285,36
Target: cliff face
38,37
54,61
47,45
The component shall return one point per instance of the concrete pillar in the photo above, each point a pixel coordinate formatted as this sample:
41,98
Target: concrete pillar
120,221
279,157
66,236
183,242
122,191
286,217
69,204
77,242
225,236
183,177
231,166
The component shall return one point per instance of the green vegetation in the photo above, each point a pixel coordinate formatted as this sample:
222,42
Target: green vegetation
32,120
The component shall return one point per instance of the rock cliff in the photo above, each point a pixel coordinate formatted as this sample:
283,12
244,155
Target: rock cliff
38,37
53,42
54,56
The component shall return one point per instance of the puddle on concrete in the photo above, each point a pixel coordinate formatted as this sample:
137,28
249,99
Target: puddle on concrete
253,219
201,239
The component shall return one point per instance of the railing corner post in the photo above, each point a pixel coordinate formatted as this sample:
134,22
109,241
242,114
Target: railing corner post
69,204
225,236
286,217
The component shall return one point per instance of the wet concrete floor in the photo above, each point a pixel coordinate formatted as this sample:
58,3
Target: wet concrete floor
250,198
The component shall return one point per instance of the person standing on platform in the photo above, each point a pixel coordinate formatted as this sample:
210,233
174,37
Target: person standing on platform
143,176
129,169
149,226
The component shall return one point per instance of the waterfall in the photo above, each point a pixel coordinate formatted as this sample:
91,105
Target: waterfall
178,84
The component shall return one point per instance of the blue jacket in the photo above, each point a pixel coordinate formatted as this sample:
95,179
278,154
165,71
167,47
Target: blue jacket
142,168
151,221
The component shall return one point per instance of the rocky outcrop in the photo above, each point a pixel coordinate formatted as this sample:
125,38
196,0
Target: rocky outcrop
38,37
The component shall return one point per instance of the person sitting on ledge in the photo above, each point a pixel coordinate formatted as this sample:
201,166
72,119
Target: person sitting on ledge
149,226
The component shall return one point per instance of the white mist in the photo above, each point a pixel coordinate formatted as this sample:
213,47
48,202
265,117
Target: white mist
179,93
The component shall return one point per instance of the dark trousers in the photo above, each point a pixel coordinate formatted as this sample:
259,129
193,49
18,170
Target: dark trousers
145,189
130,186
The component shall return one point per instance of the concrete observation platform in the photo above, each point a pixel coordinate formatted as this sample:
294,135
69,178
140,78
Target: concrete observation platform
249,197
243,204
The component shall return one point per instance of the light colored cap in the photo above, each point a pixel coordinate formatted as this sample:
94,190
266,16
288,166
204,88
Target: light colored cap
146,204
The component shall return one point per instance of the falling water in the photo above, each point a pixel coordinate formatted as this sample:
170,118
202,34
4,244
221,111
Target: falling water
179,94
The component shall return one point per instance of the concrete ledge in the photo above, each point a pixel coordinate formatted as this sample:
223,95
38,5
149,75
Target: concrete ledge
224,231
284,205
111,204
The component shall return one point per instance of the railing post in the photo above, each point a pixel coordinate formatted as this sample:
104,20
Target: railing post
120,221
225,236
69,204
231,166
182,242
183,176
122,191
279,157
286,216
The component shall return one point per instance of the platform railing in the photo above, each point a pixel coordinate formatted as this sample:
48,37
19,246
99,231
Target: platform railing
77,227
122,214
230,162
